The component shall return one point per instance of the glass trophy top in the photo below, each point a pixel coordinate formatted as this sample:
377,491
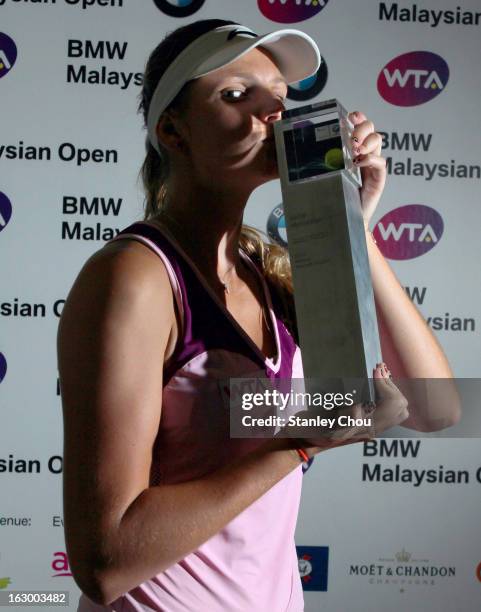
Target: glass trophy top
316,140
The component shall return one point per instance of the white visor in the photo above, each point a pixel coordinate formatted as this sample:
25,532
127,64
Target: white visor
296,54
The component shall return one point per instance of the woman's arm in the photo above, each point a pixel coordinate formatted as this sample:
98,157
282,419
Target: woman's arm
112,338
411,351
409,347
119,531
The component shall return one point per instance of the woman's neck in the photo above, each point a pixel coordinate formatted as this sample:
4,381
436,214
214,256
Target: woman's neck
207,228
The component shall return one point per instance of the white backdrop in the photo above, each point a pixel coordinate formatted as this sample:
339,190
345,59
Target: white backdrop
364,544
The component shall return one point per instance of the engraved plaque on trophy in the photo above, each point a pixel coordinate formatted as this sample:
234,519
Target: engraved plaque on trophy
333,295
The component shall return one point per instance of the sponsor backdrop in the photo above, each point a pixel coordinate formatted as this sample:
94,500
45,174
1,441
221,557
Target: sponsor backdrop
391,525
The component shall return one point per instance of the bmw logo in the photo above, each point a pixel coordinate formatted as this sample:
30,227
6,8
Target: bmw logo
179,8
310,87
276,226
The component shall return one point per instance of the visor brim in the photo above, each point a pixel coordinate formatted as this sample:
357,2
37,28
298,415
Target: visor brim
296,54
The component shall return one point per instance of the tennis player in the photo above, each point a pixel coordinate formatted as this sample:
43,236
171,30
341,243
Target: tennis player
163,510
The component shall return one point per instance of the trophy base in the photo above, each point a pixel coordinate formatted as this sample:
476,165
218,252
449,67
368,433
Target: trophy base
333,294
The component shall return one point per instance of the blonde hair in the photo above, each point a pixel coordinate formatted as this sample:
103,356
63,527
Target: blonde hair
273,259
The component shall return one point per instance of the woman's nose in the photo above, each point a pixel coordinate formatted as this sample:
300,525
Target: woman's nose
272,109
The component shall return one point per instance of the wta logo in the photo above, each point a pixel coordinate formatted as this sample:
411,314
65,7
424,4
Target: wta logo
8,54
413,78
290,11
5,211
409,231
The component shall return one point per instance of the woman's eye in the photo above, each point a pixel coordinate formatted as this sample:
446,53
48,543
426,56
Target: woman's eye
235,93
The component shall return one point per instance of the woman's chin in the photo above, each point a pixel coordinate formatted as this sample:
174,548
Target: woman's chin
259,170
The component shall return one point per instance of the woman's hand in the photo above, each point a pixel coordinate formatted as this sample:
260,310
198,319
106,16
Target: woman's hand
391,410
367,152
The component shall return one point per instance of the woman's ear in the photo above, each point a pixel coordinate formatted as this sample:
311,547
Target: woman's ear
169,132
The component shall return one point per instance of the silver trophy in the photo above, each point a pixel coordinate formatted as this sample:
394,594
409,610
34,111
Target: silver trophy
333,295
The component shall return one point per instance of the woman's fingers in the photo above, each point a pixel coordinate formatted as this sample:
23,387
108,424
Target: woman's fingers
367,148
357,117
365,138
356,429
373,161
361,131
361,423
392,406
370,143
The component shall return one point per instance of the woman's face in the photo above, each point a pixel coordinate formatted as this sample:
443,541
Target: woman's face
229,114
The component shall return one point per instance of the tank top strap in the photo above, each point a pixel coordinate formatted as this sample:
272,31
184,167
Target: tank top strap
206,324
142,233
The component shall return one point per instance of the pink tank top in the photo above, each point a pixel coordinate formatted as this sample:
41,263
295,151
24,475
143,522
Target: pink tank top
251,564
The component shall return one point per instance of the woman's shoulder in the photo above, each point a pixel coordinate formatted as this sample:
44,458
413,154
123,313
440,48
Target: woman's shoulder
129,261
121,293
122,271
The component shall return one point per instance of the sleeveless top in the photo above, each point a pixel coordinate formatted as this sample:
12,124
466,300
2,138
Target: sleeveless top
251,564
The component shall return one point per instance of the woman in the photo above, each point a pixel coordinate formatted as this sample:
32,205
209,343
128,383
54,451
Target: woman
163,510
